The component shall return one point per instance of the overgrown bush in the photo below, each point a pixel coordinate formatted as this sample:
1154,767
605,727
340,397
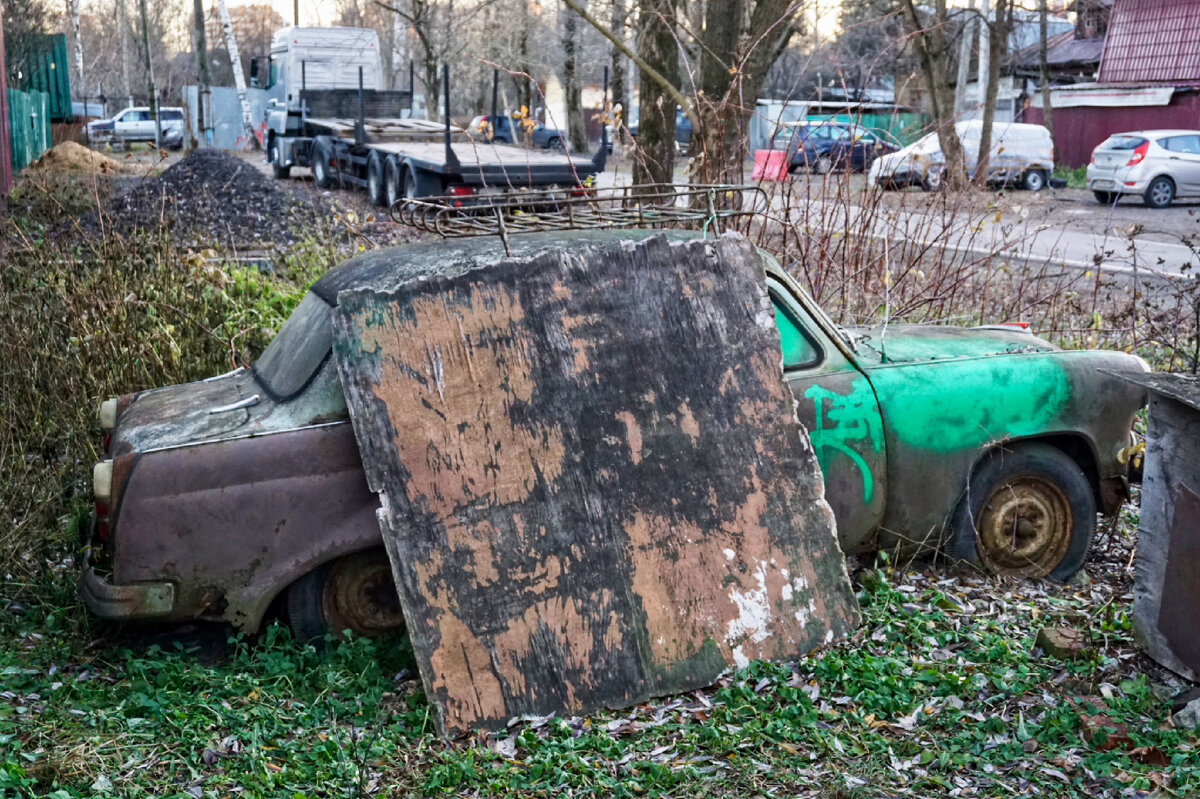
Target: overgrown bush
87,322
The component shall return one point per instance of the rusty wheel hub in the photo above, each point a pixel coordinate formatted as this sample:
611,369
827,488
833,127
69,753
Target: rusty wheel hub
360,595
1025,528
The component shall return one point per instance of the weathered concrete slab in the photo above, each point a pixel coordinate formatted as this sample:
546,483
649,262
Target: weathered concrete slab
594,489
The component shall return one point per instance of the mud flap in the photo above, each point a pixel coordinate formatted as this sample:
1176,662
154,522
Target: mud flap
593,486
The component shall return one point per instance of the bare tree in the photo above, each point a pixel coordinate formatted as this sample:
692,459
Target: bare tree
576,134
933,54
1044,66
998,30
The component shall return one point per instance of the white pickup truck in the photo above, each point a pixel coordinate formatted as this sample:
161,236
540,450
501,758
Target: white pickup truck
137,124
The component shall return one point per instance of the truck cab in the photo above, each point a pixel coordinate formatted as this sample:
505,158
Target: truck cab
321,58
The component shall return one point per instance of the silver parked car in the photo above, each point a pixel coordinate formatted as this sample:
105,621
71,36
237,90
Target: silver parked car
137,124
1159,165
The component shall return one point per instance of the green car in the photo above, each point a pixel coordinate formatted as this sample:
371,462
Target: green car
221,499
988,444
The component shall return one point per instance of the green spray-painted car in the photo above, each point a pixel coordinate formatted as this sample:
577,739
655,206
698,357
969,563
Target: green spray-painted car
989,444
221,499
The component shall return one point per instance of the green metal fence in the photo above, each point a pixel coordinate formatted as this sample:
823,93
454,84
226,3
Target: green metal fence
29,126
45,70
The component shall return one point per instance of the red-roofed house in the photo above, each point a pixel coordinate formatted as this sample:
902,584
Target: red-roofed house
1149,78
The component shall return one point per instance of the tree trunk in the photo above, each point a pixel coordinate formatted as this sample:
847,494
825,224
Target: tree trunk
997,46
576,133
933,55
716,161
1044,67
655,158
620,87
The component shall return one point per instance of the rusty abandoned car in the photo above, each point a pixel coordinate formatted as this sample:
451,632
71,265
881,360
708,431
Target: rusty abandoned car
226,498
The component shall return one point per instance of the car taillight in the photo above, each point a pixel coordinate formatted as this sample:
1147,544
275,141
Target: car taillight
102,482
459,191
1093,158
1139,154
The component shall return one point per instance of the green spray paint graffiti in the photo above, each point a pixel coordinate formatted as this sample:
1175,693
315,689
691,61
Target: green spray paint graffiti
852,418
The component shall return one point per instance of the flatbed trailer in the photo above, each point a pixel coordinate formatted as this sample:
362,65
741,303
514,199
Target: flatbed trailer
395,157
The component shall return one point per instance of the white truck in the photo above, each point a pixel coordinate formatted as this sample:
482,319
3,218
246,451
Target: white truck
327,110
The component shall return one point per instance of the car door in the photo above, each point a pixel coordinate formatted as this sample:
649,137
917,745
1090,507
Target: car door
1183,162
837,406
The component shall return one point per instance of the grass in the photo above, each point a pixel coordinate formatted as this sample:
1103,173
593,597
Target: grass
941,688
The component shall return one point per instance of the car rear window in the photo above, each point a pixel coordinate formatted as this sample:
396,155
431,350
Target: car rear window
292,359
1122,143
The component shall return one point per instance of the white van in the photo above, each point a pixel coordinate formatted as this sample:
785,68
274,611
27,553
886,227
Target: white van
1020,154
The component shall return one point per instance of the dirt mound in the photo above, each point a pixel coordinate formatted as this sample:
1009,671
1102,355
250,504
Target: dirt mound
71,156
213,200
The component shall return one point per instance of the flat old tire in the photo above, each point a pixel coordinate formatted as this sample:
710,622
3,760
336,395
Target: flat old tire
355,592
1028,511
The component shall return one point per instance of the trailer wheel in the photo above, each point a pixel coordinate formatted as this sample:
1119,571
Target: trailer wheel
391,180
321,169
281,172
375,180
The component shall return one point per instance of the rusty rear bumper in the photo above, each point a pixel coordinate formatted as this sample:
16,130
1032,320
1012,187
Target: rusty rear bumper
121,602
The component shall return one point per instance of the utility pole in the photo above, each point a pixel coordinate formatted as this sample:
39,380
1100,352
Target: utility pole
125,53
150,75
239,78
1044,67
204,89
296,13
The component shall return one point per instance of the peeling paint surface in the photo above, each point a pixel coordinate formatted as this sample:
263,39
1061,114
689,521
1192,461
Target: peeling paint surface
593,484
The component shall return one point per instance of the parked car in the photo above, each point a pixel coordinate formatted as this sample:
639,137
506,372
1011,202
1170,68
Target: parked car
548,138
683,131
825,146
1158,165
501,128
220,499
1021,155
137,124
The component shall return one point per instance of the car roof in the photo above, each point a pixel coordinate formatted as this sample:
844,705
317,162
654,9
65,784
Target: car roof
387,268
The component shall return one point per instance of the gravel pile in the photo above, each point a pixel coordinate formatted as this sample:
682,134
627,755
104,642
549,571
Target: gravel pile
212,200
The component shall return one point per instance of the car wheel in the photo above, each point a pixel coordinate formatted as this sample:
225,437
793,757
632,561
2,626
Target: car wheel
391,180
375,189
932,180
823,165
355,592
1033,180
1160,192
280,172
1104,197
1028,511
555,144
